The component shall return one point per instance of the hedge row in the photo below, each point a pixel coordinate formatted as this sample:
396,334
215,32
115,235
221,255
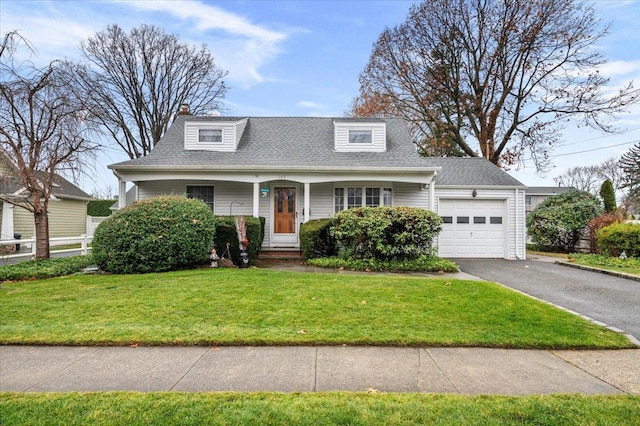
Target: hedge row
100,208
619,237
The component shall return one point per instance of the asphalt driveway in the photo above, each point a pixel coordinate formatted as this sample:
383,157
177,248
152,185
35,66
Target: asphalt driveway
611,300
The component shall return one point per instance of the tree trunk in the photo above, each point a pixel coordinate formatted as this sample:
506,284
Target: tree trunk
41,218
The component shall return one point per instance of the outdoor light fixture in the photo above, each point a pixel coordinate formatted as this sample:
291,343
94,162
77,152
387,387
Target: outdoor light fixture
474,193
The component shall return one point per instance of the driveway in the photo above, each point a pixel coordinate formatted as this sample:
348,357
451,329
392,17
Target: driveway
611,300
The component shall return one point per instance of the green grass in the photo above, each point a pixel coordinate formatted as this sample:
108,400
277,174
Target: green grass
630,265
313,408
266,307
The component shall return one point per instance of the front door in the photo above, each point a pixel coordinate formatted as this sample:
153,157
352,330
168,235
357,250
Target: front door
284,216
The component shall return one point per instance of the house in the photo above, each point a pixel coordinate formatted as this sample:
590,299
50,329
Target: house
67,207
535,195
291,170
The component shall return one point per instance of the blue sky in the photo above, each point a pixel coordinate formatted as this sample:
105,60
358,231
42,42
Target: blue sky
302,58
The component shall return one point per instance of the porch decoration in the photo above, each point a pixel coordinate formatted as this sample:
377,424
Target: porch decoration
243,242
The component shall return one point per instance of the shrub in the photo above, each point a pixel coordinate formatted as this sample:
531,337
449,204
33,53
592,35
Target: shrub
598,223
559,221
100,208
316,239
160,234
226,233
44,268
383,233
619,237
421,264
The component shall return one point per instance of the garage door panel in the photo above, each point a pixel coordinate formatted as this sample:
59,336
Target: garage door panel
476,228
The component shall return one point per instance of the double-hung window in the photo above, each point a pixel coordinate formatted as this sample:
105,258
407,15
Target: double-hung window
201,192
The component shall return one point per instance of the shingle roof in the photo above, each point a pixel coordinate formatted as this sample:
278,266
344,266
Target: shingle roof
308,142
548,190
62,187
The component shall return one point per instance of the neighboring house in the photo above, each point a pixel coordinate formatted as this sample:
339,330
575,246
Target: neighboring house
67,207
291,170
534,195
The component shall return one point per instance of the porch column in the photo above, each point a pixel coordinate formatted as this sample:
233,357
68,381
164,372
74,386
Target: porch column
307,197
7,221
256,199
432,194
122,193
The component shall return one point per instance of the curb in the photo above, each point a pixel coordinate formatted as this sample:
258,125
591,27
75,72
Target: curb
602,271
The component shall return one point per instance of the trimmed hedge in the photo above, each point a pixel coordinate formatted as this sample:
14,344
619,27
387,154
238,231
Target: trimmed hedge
156,235
619,237
421,264
384,233
316,239
44,268
226,233
100,208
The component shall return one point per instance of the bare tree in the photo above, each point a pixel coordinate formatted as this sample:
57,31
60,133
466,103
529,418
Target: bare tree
136,82
582,178
494,78
43,131
611,169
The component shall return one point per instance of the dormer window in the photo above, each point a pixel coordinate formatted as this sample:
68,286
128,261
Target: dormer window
210,135
360,136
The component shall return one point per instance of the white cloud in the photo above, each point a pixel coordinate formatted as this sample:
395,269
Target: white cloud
238,45
308,104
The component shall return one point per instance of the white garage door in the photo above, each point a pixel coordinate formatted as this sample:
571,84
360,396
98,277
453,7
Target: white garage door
472,228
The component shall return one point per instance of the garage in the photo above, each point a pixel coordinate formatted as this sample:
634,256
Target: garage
472,228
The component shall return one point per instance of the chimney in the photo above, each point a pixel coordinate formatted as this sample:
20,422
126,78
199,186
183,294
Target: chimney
184,109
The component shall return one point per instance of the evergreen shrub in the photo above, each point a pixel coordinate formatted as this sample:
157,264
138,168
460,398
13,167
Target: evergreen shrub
160,234
226,233
620,237
558,222
316,239
399,233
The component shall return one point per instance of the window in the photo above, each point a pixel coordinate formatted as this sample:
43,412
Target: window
527,200
462,219
210,135
361,197
373,197
360,136
339,200
204,193
447,219
479,219
354,197
388,197
495,220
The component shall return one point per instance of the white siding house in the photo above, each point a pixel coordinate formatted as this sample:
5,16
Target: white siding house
291,170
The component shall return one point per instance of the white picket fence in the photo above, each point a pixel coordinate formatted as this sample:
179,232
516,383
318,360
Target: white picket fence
84,241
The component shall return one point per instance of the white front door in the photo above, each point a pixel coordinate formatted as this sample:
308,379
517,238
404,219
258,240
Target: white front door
284,219
472,228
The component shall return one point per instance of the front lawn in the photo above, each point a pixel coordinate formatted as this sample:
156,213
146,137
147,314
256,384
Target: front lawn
313,408
630,265
266,307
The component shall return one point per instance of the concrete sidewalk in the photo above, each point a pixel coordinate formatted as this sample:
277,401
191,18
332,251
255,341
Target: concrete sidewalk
325,368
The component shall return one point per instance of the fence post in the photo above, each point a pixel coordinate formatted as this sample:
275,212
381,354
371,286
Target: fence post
83,244
33,246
